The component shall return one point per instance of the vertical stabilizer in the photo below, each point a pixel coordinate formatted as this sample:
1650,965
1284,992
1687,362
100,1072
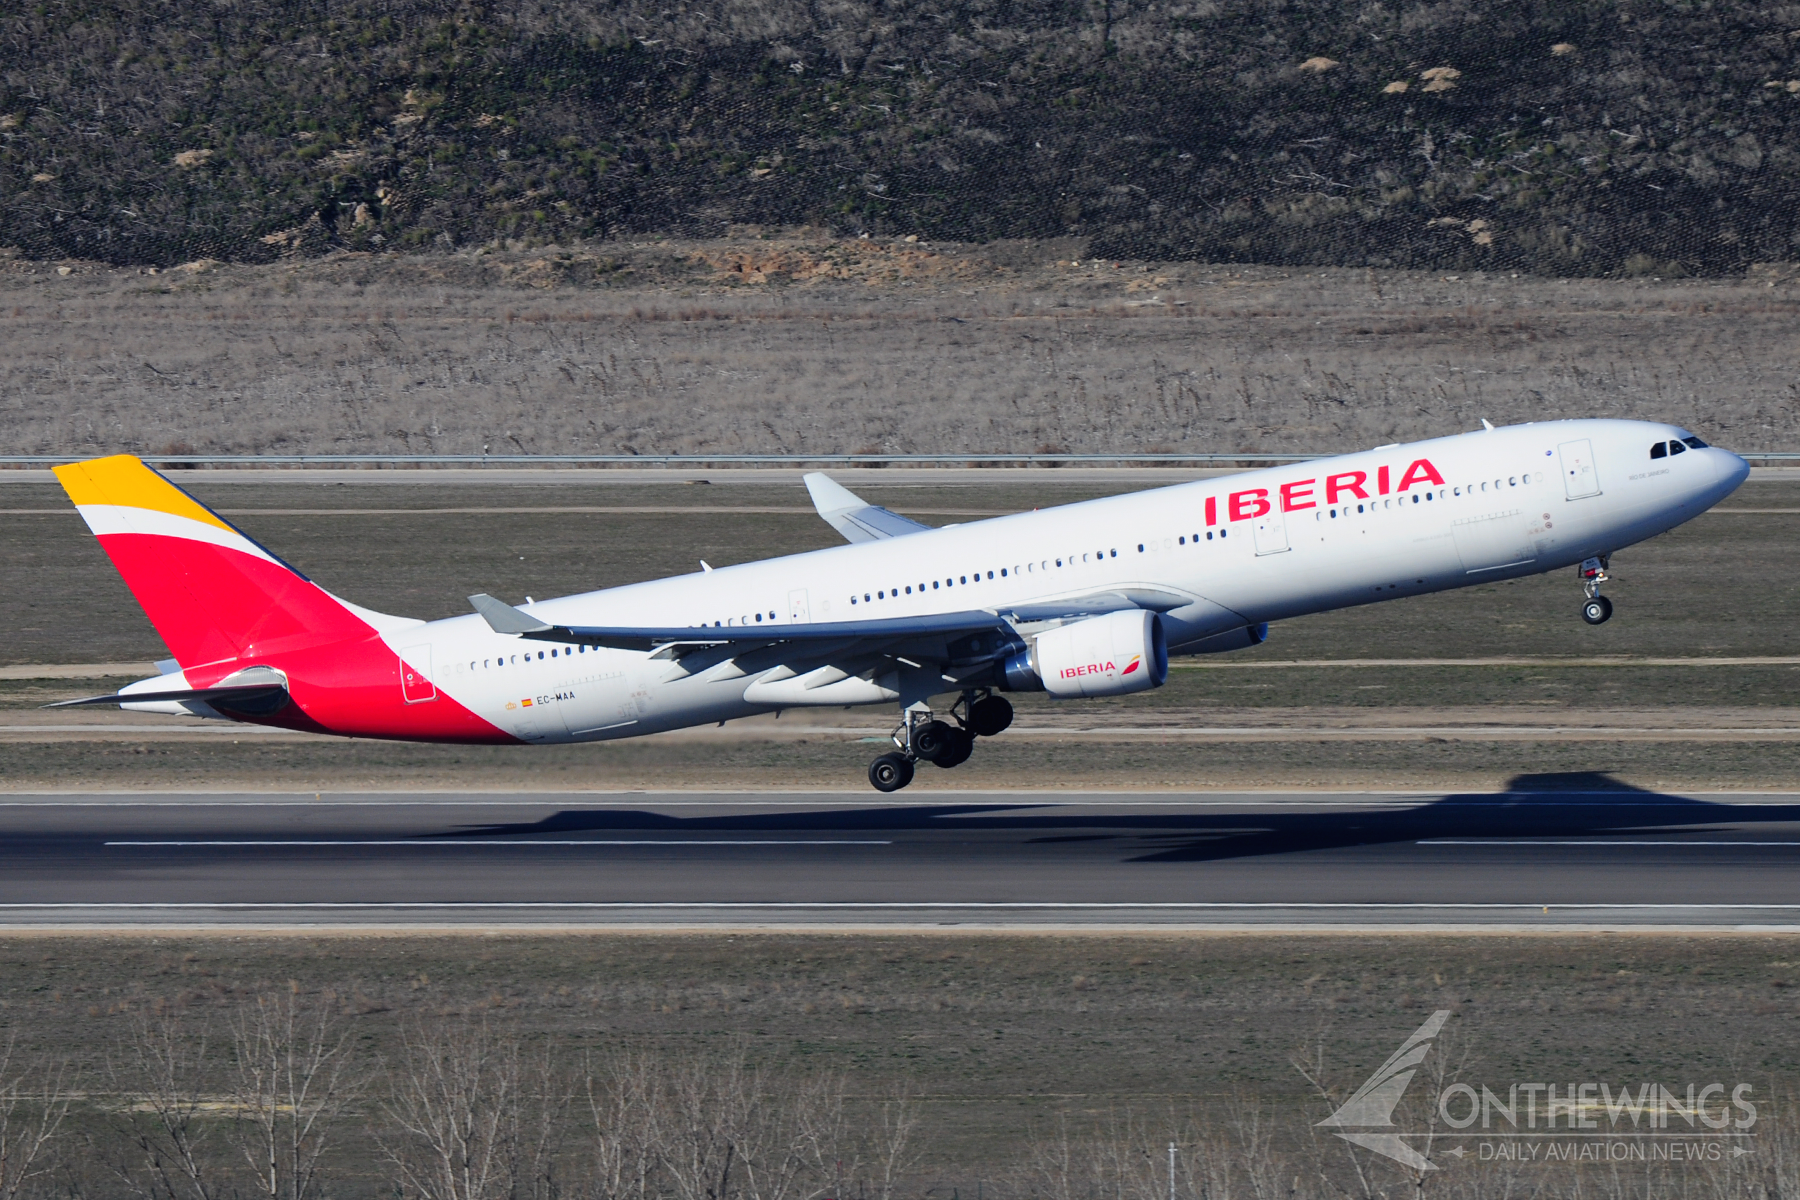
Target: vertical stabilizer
212,593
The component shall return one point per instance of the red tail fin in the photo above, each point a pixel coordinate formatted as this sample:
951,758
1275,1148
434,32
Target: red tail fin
212,593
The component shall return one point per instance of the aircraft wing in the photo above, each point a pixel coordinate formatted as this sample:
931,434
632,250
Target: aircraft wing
503,618
854,517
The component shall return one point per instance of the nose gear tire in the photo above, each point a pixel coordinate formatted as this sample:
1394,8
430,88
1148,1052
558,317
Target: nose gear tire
890,772
1597,610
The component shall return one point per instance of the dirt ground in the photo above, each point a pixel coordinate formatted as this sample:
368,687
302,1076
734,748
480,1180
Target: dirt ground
799,344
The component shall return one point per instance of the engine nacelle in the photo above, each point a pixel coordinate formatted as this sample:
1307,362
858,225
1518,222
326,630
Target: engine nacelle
1113,655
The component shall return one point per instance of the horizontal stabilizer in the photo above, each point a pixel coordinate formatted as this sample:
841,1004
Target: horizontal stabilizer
854,517
504,618
236,696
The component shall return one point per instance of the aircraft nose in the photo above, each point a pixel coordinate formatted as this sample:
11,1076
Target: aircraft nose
1732,471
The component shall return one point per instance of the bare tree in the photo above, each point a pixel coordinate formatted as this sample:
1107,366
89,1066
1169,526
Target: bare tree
892,1149
163,1133
626,1103
473,1119
292,1083
33,1103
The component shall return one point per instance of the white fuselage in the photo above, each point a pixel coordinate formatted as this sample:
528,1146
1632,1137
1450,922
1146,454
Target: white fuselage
1495,504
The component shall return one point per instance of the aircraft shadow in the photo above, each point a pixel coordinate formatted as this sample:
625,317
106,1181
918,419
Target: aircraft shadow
1563,805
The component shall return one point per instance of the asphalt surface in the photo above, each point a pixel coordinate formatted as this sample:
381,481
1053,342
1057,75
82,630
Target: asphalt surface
1547,859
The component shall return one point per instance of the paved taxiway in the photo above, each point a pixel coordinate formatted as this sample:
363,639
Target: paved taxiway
1532,859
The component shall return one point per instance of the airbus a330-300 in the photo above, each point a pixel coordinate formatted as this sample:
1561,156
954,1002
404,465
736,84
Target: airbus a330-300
1077,601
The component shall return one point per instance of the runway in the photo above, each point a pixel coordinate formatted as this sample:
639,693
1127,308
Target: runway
1532,859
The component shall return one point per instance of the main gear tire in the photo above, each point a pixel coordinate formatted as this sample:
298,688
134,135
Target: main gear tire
990,716
890,772
934,739
962,744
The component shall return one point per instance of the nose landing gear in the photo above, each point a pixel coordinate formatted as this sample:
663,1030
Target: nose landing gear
922,736
1596,609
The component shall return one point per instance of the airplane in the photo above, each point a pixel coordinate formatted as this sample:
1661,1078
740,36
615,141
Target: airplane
1082,600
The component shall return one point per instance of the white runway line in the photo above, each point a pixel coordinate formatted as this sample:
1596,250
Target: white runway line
1587,842
888,905
452,843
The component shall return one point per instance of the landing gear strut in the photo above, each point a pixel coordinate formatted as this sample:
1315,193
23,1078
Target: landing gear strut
921,736
1596,609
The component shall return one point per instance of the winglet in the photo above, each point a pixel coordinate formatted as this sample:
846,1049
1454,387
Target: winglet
504,618
854,517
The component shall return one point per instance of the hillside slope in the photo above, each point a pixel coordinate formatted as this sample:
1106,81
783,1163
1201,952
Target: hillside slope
1632,137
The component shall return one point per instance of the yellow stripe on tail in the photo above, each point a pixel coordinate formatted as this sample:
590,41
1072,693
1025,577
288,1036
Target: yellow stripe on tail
124,481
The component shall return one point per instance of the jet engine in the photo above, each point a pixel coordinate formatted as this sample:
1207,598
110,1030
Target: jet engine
1113,655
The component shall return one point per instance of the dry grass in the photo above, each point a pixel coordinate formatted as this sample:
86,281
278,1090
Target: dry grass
1039,1066
803,345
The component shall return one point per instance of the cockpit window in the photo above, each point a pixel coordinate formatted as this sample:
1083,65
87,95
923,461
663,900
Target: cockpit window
1677,448
1660,450
1694,443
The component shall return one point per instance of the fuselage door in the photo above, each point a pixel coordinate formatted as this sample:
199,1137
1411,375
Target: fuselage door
1271,533
1580,479
798,613
415,675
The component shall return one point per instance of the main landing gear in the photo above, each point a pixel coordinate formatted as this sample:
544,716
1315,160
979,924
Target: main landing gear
922,736
1596,609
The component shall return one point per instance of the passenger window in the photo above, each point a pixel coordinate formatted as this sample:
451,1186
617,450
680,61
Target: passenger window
990,574
1512,481
1181,541
1222,534
1003,572
552,654
1140,547
1209,535
909,589
1676,448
